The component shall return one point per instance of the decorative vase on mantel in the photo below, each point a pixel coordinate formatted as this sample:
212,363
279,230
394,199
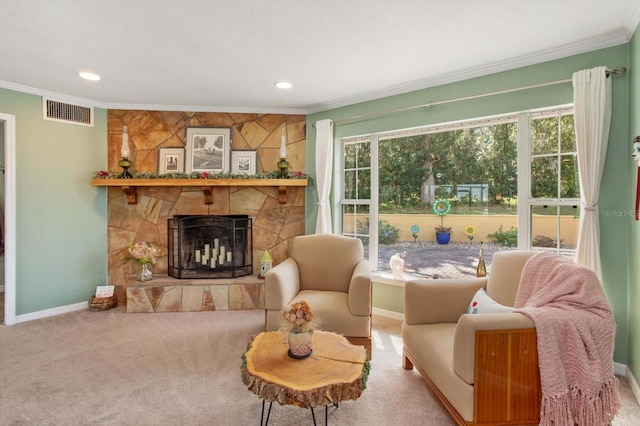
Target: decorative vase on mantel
300,344
144,273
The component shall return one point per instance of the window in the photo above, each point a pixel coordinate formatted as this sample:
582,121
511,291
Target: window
389,182
555,186
356,194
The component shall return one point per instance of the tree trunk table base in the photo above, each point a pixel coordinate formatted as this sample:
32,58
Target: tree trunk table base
336,371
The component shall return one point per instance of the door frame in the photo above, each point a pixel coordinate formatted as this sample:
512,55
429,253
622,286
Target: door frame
9,218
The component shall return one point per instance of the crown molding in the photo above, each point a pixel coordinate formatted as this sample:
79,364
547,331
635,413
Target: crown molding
585,46
53,95
220,109
147,107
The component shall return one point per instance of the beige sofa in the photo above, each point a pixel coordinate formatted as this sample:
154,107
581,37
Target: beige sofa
483,367
329,272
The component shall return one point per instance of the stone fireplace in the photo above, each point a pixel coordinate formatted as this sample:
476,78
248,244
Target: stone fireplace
273,223
213,246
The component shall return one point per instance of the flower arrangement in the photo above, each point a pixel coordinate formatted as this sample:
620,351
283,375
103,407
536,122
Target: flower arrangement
144,253
300,317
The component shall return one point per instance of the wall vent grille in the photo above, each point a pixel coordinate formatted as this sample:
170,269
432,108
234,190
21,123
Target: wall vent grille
68,113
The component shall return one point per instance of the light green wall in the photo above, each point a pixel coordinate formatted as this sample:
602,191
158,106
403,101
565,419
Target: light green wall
634,244
614,229
388,297
61,229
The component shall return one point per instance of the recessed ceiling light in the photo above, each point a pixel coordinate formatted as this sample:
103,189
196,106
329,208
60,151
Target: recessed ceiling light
89,76
284,85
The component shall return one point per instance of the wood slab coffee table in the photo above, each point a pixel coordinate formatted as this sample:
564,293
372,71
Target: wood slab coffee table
336,371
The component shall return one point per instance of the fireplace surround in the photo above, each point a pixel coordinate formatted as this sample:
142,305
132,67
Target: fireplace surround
209,246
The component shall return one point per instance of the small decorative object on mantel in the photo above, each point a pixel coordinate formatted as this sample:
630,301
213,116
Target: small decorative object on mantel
283,165
125,163
145,254
104,299
301,322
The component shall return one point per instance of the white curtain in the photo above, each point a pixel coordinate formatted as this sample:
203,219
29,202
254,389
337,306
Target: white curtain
592,112
324,168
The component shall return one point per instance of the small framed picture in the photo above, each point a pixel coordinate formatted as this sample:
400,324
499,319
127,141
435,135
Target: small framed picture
171,160
243,162
208,149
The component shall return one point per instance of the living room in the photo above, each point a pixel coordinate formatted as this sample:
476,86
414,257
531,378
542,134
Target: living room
61,223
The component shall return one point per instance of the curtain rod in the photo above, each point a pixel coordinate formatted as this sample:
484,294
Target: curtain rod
609,72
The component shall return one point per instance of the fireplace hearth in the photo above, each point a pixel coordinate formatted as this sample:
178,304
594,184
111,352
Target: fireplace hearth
210,246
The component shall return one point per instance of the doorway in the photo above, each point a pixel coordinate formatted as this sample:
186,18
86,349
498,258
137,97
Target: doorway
8,216
1,222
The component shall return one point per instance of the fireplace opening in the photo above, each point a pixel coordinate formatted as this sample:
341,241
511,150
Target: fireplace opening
209,246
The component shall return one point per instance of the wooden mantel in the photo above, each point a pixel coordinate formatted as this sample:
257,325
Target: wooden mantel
130,186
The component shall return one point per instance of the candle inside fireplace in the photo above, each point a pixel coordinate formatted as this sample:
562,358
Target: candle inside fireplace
229,257
206,251
221,259
213,262
197,255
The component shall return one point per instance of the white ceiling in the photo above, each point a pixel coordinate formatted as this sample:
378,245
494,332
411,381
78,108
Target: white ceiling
226,55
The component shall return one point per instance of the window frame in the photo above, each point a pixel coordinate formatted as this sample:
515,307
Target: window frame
523,120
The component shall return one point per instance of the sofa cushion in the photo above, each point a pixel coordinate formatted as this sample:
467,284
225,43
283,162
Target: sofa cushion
332,271
483,304
431,346
504,276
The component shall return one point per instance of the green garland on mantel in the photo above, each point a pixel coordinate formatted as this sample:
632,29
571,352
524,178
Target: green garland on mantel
199,175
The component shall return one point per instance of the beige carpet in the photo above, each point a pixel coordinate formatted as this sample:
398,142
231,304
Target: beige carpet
114,368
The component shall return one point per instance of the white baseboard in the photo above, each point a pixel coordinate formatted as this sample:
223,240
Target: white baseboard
633,383
51,312
388,314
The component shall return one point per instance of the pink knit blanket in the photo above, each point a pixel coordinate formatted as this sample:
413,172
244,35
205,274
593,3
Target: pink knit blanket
575,330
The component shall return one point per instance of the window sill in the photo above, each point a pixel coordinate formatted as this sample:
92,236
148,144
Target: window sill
387,278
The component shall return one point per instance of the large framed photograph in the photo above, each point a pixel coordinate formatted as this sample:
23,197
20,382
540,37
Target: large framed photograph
243,162
171,160
208,149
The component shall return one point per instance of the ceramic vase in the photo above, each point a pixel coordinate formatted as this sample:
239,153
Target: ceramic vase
300,344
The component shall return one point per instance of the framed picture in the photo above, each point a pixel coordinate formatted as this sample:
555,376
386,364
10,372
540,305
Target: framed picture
171,160
208,149
243,162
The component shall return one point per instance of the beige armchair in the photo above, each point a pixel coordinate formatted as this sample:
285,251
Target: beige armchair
483,368
329,272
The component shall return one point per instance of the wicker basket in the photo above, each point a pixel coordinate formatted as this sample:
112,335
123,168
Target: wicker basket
103,303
